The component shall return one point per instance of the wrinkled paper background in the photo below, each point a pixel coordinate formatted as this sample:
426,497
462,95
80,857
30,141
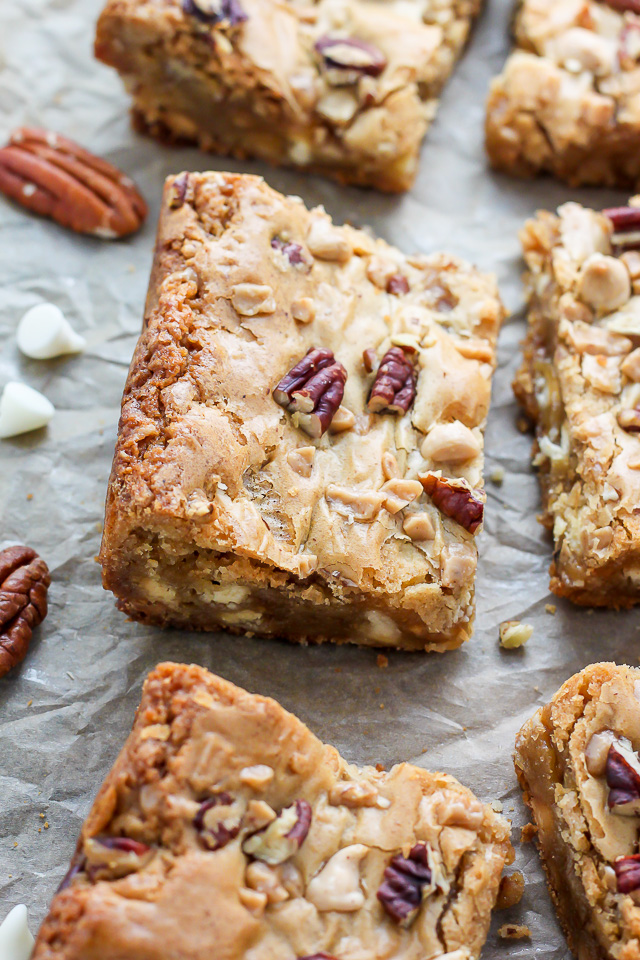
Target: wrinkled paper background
65,713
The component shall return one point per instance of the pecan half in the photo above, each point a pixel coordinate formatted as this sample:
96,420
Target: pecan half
455,499
228,12
625,221
406,881
24,581
283,837
627,870
53,176
622,773
351,55
629,420
394,387
313,390
217,829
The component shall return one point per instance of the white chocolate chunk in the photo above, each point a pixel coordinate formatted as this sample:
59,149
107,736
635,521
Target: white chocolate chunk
16,941
604,283
23,409
44,333
595,756
450,443
337,886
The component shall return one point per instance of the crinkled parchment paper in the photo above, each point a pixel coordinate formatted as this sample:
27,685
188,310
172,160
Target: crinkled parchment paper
65,713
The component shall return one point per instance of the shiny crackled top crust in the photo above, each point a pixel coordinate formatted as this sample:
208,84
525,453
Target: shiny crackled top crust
396,53
577,69
584,364
245,282
594,725
226,824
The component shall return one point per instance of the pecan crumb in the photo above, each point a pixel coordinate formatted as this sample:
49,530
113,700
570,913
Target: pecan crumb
382,661
511,890
24,582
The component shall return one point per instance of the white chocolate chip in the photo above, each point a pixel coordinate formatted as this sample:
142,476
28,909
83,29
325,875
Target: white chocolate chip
303,310
343,419
327,242
301,460
250,299
595,756
23,409
16,941
257,777
602,373
604,283
400,493
45,333
450,443
265,879
419,526
578,49
338,106
253,900
362,505
631,366
457,565
390,468
514,634
337,886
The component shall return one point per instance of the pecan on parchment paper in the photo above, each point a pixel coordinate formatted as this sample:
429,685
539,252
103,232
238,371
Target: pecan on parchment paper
24,581
55,177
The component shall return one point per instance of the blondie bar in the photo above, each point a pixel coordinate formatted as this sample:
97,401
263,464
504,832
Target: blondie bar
580,383
343,88
300,447
567,101
577,764
227,830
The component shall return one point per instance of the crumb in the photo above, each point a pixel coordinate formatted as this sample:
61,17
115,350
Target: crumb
497,476
380,767
46,825
377,690
39,829
514,634
29,702
42,815
382,661
522,424
131,268
382,706
70,675
29,496
528,832
511,890
496,806
15,843
536,689
589,613
550,608
513,931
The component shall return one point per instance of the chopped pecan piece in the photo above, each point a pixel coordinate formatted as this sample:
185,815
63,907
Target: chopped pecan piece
24,581
313,389
624,6
217,829
394,388
283,837
625,220
398,285
627,870
622,773
109,857
406,881
227,12
455,499
292,251
629,420
55,177
351,55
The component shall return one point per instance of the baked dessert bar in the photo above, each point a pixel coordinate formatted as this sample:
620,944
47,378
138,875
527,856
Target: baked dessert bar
580,383
577,763
226,829
567,100
300,447
343,88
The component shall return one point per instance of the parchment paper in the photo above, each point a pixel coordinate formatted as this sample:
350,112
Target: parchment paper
65,714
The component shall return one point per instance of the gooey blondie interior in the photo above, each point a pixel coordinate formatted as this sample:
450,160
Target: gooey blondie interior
226,829
342,87
300,447
580,383
578,765
567,100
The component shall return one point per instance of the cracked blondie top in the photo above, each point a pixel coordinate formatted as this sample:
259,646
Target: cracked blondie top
342,87
578,765
568,99
300,446
227,829
580,384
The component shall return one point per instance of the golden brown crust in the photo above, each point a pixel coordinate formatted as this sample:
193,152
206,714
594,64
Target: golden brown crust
197,737
221,510
260,88
576,376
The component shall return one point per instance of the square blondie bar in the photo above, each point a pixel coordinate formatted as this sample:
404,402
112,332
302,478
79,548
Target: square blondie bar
580,384
300,446
577,763
343,88
567,101
226,829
